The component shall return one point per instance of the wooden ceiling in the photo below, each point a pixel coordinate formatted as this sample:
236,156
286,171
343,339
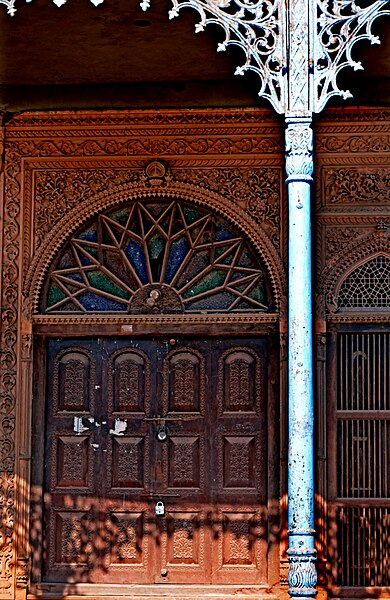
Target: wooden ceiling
115,55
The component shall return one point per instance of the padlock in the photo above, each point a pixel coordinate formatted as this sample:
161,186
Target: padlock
162,433
159,509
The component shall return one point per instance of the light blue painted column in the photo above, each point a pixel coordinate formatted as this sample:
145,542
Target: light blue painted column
302,576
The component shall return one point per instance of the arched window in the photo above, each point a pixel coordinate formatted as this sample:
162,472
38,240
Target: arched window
368,286
161,257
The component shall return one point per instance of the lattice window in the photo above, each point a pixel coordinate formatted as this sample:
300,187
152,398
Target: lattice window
368,286
156,257
363,459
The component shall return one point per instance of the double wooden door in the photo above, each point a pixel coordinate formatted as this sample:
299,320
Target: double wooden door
133,425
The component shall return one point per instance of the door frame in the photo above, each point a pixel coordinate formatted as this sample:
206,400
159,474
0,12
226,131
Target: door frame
160,326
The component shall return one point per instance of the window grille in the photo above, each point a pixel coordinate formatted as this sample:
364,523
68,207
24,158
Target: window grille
368,286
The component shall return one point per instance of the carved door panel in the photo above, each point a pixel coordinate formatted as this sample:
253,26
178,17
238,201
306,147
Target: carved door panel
130,423
240,462
72,462
98,447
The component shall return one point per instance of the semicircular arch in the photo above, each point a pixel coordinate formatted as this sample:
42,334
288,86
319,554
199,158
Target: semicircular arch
125,194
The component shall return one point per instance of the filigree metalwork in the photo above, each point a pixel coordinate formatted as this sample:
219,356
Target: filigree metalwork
297,51
296,48
10,4
340,24
255,26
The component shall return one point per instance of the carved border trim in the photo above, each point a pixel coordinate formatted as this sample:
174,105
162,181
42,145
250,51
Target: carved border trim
37,272
135,320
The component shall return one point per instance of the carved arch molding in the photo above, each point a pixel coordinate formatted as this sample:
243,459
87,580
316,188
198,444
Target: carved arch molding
372,252
62,169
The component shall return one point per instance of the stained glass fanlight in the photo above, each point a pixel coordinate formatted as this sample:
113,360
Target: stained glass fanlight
156,257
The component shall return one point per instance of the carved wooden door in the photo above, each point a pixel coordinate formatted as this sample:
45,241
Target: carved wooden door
131,423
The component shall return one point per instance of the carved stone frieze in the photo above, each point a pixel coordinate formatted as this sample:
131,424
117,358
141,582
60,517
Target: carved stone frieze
352,185
355,144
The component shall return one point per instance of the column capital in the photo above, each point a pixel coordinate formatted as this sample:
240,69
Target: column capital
299,149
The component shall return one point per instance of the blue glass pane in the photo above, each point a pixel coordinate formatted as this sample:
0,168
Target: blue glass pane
84,260
220,301
198,262
114,262
135,254
178,252
99,303
246,259
90,235
74,277
222,233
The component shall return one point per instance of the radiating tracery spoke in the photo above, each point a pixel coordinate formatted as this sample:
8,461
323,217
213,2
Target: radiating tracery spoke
156,257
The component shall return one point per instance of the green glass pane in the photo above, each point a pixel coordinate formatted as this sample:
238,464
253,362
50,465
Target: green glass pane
257,294
92,250
120,216
156,246
208,282
55,295
101,281
192,215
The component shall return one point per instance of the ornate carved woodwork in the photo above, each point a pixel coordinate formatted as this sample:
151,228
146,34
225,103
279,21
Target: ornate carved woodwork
62,169
106,467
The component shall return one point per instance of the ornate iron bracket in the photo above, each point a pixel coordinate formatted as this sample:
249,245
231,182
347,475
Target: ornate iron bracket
296,48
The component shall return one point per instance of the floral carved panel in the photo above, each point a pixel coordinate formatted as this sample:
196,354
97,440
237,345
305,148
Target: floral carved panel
354,186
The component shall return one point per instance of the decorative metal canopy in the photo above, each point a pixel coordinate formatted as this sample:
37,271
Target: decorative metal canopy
296,48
